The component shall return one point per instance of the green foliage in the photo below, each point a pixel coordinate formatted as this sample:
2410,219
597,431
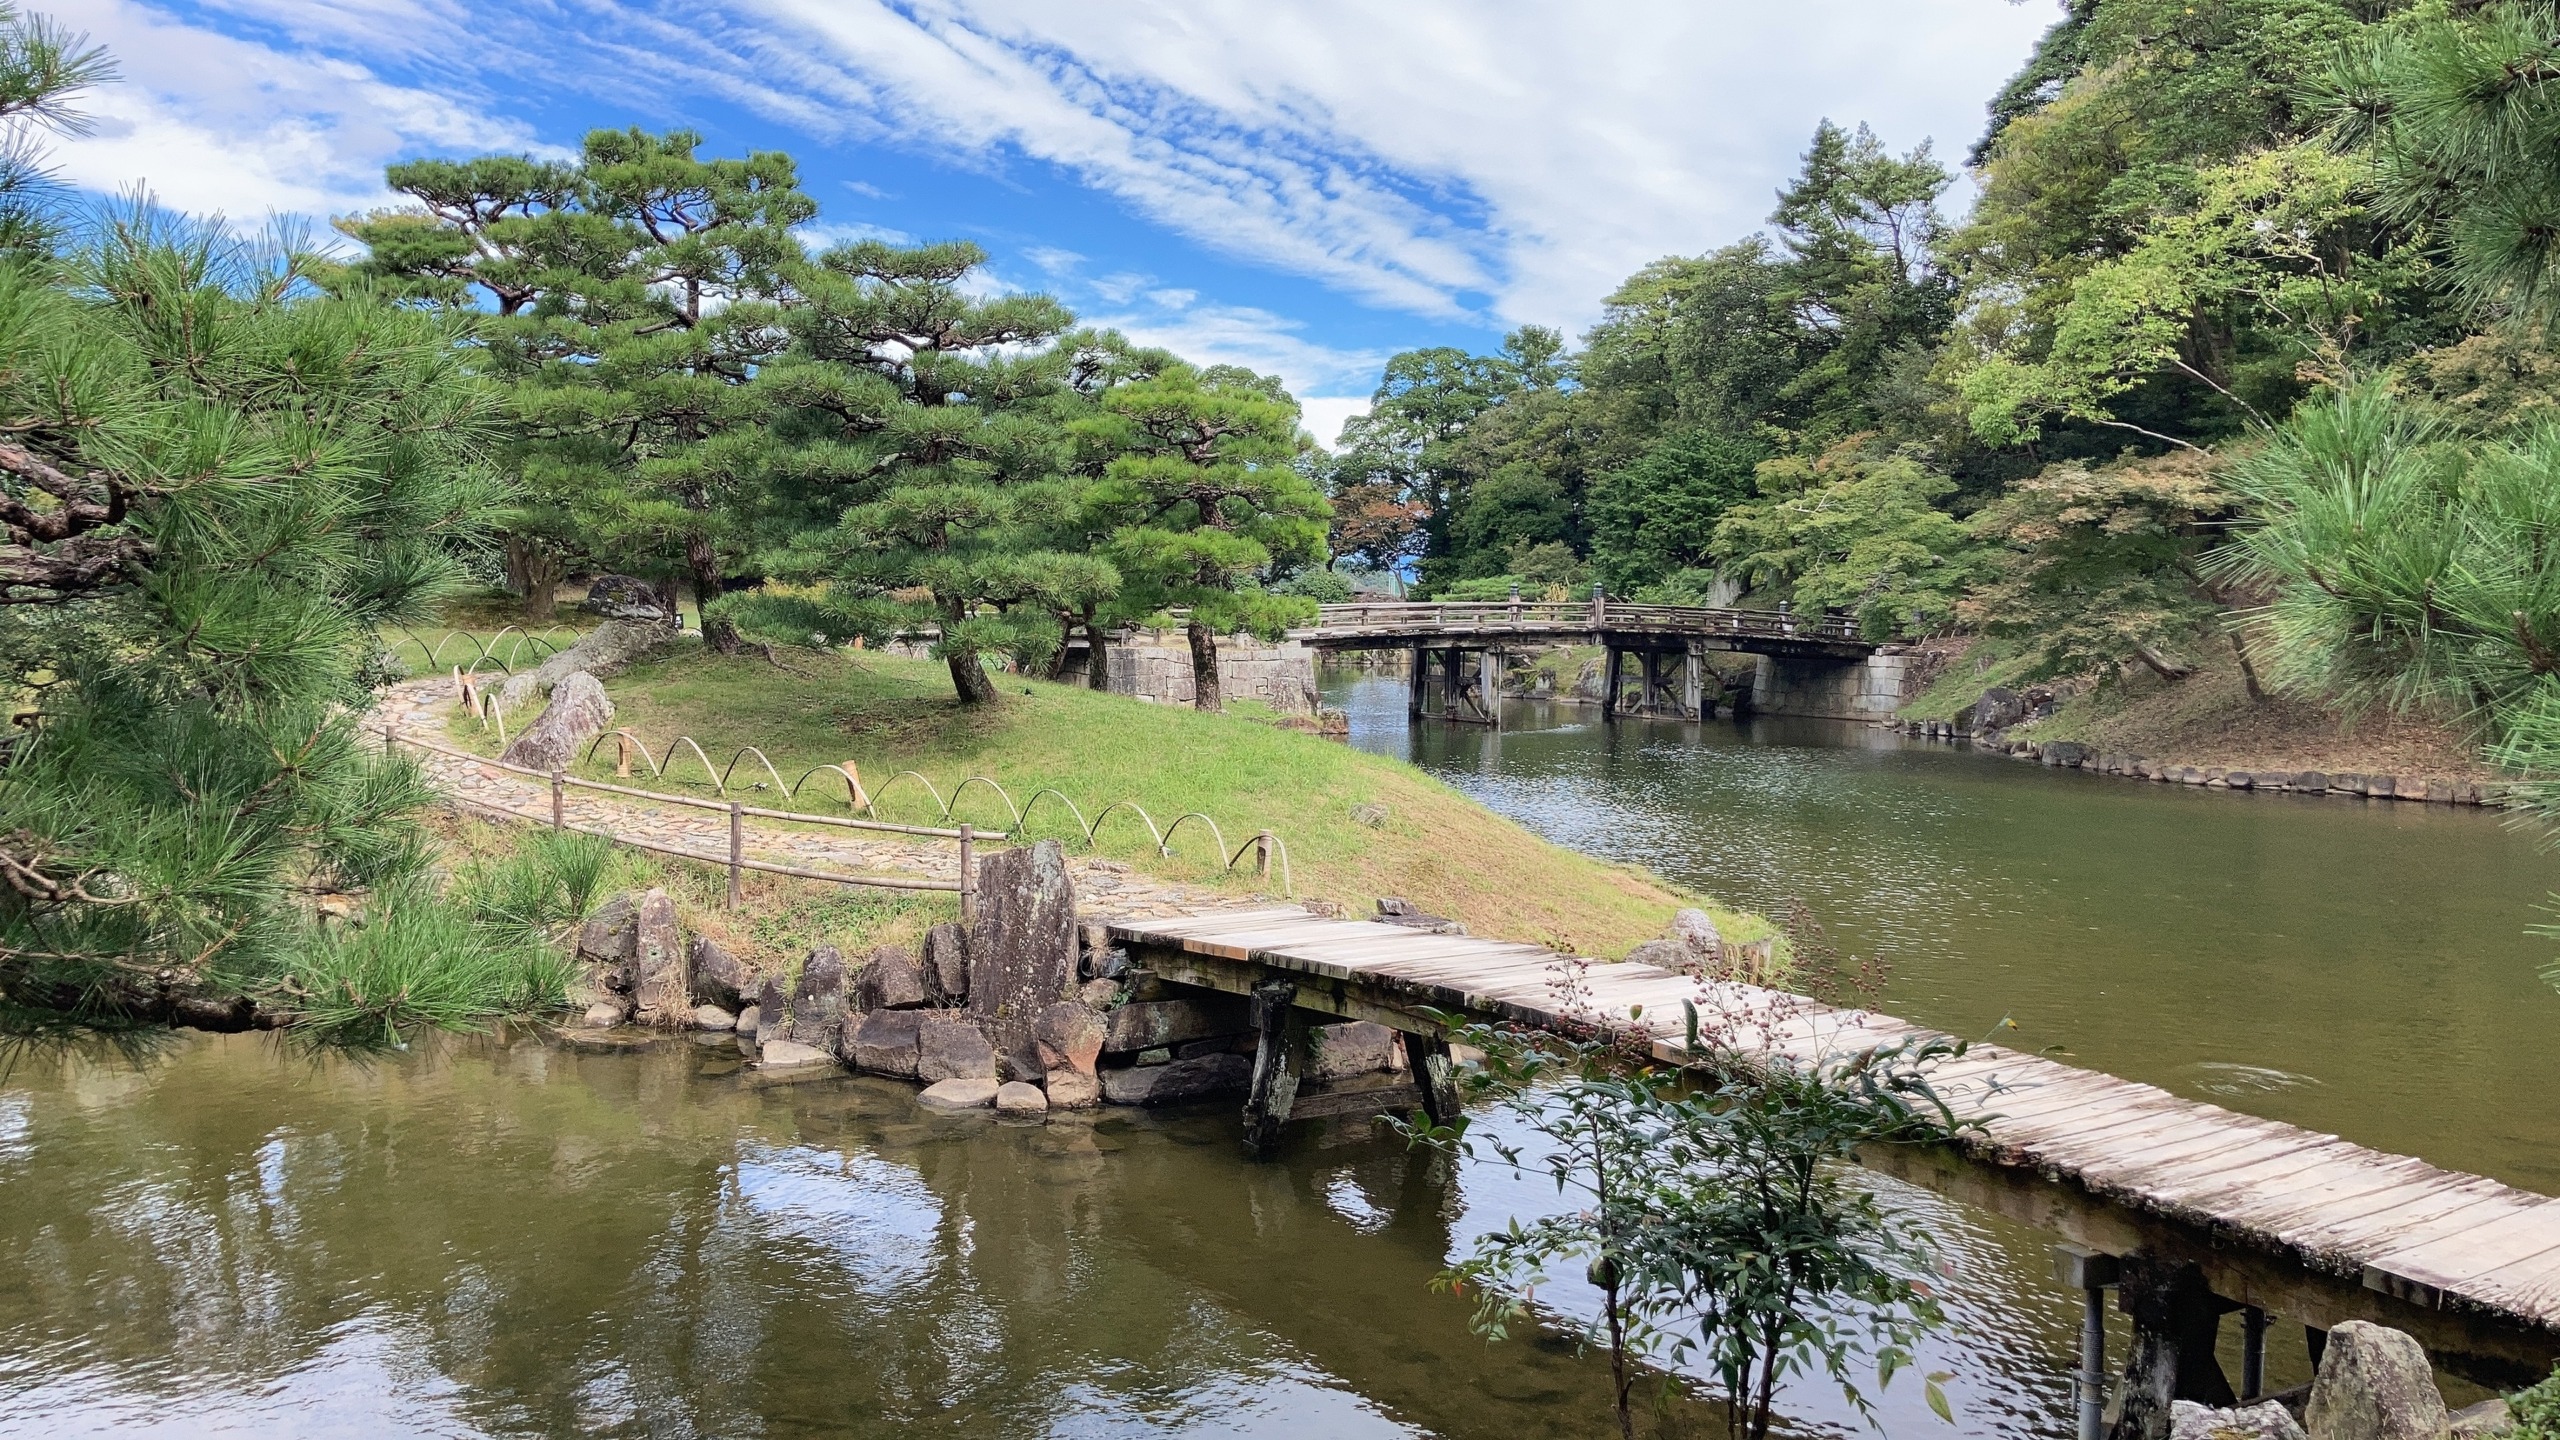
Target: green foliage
2258,272
1658,516
2097,567
2536,1411
1854,530
918,421
634,309
2457,104
1714,1219
546,886
217,484
422,962
43,69
1200,497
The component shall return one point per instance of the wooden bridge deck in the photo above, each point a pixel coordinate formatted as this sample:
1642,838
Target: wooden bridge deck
1388,624
2297,1223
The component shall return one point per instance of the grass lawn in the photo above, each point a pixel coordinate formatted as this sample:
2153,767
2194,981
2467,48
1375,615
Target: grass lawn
1434,847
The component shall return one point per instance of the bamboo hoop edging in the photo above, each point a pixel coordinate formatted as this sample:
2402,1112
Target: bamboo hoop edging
1163,836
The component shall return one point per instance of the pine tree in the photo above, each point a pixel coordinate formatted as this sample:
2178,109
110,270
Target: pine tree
1202,497
633,299
216,485
920,419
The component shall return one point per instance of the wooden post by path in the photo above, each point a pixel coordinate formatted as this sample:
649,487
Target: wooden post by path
559,801
1262,855
1281,1034
968,874
737,853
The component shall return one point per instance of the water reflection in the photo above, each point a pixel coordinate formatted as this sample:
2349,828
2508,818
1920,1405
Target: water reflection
2357,967
518,1241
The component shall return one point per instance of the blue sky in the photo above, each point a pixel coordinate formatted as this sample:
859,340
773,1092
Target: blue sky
1303,186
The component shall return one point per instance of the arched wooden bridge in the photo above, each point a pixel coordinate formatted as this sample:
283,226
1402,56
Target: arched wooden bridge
1671,642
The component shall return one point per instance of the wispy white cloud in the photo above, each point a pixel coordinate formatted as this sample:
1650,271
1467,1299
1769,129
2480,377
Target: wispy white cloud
1331,382
1508,160
828,234
212,123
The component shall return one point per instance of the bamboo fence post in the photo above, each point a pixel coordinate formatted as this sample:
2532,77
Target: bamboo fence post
737,853
1262,855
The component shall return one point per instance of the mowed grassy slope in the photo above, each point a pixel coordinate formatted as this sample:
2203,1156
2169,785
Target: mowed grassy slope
884,714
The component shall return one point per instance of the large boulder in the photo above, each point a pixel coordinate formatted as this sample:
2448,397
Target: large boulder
624,597
2375,1384
1999,708
818,998
1016,1097
885,1042
1069,1038
720,978
609,949
1196,1079
946,965
789,1055
1153,1024
578,712
889,981
949,1047
1697,930
958,1095
1022,948
664,995
1335,1052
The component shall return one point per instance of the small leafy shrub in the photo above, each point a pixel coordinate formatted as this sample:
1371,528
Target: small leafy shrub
2536,1411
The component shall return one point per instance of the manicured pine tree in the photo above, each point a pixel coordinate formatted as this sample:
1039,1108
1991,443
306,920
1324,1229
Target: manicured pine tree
921,417
632,300
1202,498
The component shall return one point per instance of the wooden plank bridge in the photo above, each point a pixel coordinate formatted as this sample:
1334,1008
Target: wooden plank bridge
1670,642
2278,1220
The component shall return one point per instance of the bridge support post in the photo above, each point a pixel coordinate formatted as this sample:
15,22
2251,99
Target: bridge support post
1489,683
1421,676
2253,1353
1610,667
1452,685
2175,1318
1427,1057
1652,701
1281,1034
1693,681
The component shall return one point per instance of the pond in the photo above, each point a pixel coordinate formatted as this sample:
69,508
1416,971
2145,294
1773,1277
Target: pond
510,1237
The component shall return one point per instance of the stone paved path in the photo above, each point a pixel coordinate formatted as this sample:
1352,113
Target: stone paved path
1105,889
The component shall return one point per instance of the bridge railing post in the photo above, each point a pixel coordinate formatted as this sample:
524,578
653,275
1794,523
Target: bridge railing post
1599,605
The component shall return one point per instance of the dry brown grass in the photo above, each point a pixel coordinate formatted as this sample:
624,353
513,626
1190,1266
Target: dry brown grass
2208,719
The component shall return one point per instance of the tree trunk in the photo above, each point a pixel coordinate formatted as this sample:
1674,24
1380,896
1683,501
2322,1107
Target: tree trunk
969,678
2161,665
1097,660
2248,672
1204,668
534,571
720,635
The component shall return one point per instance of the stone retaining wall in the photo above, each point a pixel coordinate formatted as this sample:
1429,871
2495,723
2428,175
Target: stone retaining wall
1155,665
1871,689
2073,755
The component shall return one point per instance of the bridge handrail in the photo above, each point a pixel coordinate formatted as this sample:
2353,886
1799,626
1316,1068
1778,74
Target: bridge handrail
1391,617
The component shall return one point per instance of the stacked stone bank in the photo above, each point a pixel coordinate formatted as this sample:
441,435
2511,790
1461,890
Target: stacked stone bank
1025,1009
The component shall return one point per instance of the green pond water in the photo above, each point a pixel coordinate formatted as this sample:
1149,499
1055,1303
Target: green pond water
507,1237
